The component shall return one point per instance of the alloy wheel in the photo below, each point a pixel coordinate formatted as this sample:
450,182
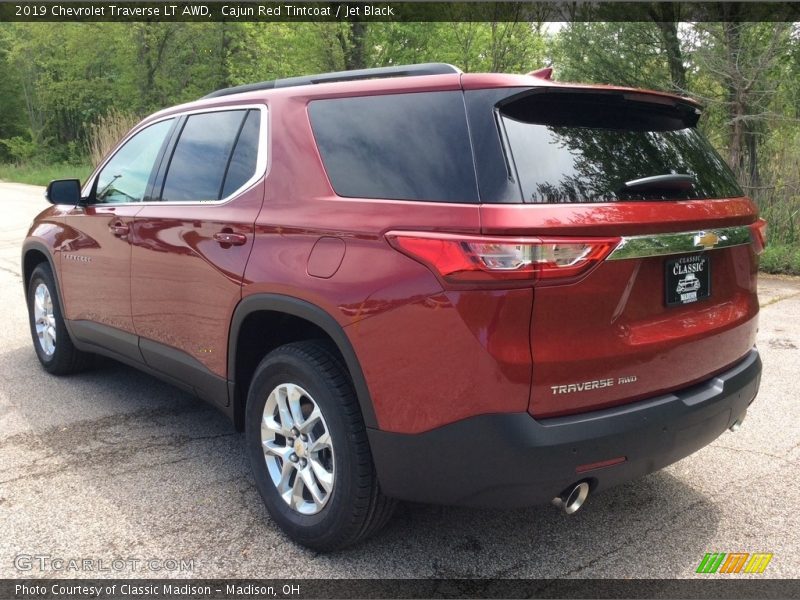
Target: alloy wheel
297,449
44,319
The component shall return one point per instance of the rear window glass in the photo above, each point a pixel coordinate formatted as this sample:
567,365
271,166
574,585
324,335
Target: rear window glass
606,148
400,147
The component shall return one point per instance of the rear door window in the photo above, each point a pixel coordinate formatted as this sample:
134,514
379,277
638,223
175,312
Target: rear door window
399,146
203,154
583,147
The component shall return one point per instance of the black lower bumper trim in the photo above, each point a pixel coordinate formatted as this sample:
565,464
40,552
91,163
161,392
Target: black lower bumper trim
510,460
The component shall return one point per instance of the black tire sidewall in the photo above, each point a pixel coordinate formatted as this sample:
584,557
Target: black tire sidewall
286,367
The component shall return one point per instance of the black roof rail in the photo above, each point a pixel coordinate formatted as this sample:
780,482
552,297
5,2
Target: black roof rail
398,71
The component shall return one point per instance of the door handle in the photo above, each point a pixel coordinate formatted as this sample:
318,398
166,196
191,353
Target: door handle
228,238
118,228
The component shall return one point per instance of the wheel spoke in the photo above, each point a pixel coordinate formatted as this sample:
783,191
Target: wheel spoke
281,451
269,424
308,424
322,442
323,476
297,499
284,489
293,396
283,409
312,486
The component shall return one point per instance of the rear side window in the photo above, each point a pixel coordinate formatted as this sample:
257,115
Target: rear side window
400,147
609,147
214,156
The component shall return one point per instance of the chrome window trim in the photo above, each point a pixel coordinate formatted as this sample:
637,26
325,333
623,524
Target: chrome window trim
683,242
262,160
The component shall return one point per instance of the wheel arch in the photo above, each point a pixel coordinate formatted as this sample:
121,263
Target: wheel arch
35,253
279,305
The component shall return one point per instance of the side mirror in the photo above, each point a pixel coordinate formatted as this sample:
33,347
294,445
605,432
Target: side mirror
64,191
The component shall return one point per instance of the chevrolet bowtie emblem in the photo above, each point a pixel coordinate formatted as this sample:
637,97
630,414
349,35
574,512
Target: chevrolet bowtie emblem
707,240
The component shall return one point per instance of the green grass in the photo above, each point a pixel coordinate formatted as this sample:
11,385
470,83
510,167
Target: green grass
43,174
781,258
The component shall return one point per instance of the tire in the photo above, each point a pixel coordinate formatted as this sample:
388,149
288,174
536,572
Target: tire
53,347
353,508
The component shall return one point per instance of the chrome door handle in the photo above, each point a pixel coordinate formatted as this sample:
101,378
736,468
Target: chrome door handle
230,238
119,228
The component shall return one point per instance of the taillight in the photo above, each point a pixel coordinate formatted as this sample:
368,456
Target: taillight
475,259
758,231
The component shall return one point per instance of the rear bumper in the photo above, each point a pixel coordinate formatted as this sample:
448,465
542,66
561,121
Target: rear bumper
509,460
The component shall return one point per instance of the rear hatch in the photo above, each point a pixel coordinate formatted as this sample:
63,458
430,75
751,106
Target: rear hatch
647,250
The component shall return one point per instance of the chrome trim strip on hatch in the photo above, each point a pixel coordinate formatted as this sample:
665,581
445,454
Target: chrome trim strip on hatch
684,242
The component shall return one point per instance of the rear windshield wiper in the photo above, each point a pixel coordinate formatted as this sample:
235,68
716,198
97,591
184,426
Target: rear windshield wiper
671,182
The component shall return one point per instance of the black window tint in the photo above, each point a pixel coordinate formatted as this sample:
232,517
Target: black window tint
588,151
125,177
201,155
243,160
402,147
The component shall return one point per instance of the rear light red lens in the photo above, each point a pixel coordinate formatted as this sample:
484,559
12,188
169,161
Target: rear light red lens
758,231
465,259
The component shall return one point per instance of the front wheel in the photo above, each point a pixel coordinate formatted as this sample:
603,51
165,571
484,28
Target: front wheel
309,451
51,340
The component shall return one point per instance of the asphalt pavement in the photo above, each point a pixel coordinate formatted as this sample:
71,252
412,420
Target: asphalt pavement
113,465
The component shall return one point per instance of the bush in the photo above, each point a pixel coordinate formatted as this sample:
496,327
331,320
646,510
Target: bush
20,149
781,258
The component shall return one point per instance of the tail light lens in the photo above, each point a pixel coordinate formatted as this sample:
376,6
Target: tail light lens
758,232
474,259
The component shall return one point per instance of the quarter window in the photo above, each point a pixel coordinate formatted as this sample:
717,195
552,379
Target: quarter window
400,146
243,160
125,177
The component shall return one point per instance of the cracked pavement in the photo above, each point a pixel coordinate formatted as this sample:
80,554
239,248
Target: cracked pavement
113,464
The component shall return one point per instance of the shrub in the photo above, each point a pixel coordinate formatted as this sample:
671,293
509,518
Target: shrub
20,149
781,258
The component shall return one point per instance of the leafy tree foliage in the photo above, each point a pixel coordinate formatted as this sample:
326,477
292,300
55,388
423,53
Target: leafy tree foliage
60,78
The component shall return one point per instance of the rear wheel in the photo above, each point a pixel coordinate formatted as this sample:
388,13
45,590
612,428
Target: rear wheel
309,451
51,341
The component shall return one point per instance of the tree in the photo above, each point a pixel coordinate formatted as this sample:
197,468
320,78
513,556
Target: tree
743,59
665,16
612,52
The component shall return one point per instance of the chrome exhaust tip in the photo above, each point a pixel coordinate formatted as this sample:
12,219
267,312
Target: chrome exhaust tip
737,424
572,498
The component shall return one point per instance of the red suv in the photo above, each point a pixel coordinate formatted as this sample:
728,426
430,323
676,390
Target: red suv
415,283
